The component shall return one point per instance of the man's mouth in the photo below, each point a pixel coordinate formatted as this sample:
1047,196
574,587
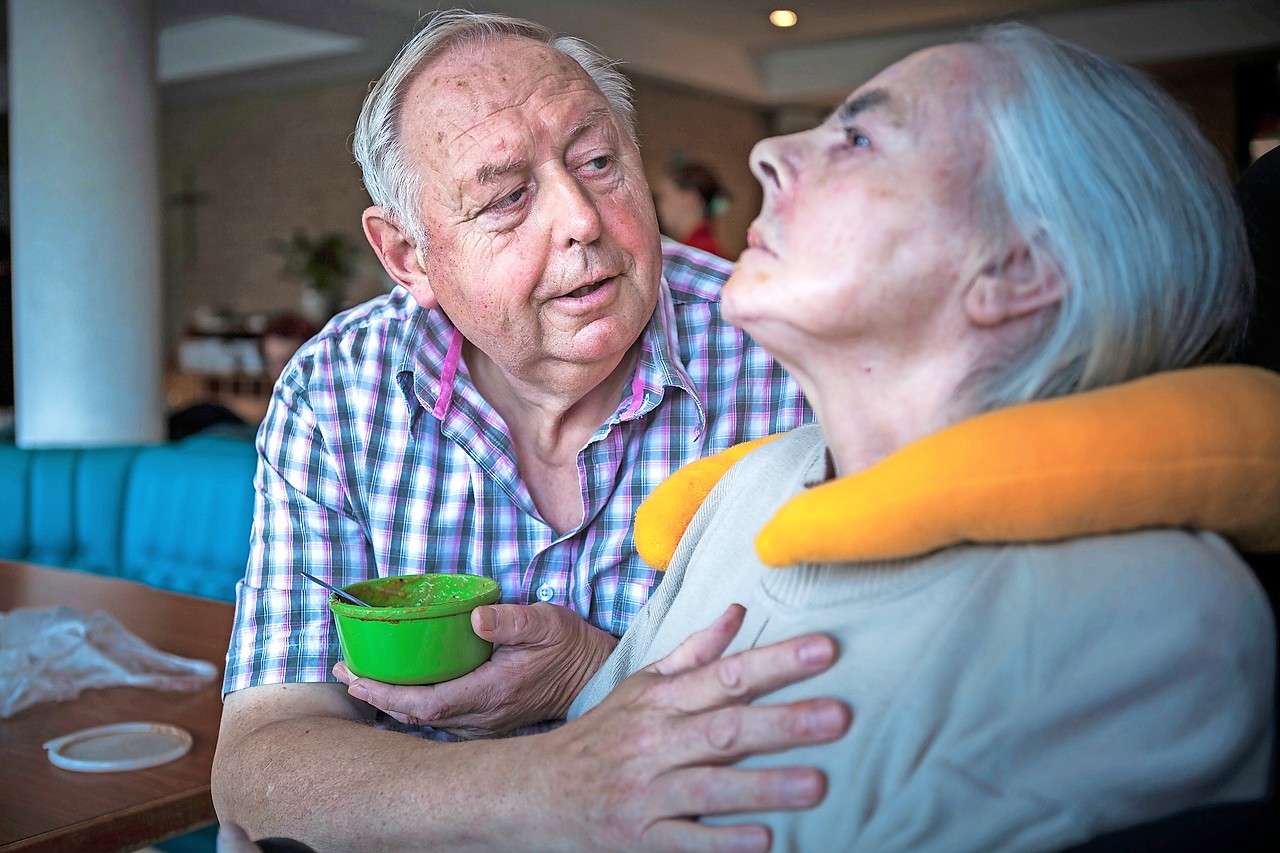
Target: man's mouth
586,289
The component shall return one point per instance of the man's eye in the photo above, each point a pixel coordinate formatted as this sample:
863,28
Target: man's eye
509,200
599,163
855,137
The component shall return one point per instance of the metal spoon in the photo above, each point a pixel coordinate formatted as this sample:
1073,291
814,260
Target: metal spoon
345,596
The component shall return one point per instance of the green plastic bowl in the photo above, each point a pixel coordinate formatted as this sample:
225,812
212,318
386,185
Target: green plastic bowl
418,630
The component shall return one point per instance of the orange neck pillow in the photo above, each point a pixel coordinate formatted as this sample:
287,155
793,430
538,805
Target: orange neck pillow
1196,448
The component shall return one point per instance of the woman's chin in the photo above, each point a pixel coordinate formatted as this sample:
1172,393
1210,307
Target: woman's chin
742,293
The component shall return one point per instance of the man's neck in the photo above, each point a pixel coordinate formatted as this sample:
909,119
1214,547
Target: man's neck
550,422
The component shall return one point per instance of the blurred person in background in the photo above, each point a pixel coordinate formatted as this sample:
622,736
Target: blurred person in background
282,336
689,198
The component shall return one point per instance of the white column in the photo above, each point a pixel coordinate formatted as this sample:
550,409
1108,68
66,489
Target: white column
84,185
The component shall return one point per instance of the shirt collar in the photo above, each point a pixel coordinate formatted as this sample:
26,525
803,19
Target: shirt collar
431,363
659,366
425,374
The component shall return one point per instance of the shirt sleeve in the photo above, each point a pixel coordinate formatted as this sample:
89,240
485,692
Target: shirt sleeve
302,521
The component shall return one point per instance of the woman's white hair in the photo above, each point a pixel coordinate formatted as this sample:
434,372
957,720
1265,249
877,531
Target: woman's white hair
1110,184
391,180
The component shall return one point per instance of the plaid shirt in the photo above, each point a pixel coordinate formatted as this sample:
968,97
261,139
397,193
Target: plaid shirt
379,457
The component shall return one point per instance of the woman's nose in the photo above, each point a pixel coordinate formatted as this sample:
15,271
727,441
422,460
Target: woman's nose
769,163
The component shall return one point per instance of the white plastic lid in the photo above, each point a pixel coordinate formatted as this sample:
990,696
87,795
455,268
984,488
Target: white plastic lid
124,746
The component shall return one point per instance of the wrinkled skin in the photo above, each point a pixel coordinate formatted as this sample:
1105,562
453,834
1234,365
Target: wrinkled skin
543,656
626,776
673,728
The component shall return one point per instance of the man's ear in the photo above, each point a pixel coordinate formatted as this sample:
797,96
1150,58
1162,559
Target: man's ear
1015,286
399,255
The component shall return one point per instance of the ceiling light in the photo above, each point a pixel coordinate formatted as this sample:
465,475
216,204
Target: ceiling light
782,18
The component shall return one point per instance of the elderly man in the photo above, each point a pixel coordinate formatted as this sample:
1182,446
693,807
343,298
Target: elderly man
1035,652
540,368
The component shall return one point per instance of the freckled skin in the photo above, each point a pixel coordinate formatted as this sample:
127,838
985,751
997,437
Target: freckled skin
502,275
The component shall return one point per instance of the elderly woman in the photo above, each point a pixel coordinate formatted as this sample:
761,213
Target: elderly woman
1034,648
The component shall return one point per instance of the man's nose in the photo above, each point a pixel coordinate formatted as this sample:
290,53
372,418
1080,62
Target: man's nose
575,214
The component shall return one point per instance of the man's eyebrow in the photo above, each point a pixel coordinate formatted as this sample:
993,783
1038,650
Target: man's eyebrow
596,118
871,99
490,172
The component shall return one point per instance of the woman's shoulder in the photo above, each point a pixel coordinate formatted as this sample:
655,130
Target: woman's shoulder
1186,587
1183,560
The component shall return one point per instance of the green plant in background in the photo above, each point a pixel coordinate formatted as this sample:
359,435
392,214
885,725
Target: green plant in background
325,265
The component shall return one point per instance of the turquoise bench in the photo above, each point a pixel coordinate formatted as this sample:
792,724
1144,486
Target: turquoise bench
174,516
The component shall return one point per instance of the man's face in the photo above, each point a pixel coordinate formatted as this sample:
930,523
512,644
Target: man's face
541,246
867,232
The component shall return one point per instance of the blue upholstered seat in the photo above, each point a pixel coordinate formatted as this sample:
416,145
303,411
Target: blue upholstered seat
175,516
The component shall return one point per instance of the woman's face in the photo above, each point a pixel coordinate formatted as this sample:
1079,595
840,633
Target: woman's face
867,234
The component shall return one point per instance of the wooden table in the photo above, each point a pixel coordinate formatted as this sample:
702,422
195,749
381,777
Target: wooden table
43,807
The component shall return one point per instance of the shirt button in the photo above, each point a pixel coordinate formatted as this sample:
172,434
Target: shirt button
546,592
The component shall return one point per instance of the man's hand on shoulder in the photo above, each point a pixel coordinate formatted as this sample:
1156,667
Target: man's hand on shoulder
662,746
543,656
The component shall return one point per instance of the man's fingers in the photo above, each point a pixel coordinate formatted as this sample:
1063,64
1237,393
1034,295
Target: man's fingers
704,646
408,704
749,674
734,790
519,624
728,734
730,790
463,703
686,836
342,673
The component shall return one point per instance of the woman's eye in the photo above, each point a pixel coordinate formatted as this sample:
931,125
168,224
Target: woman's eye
855,137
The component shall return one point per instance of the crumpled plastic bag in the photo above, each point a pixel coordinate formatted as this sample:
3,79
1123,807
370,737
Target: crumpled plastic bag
50,654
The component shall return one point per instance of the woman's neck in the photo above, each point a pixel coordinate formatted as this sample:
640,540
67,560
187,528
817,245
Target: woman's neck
870,412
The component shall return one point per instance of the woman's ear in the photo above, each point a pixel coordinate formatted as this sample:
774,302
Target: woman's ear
399,255
1017,285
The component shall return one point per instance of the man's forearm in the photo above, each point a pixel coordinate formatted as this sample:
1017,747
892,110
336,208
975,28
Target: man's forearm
337,783
301,761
